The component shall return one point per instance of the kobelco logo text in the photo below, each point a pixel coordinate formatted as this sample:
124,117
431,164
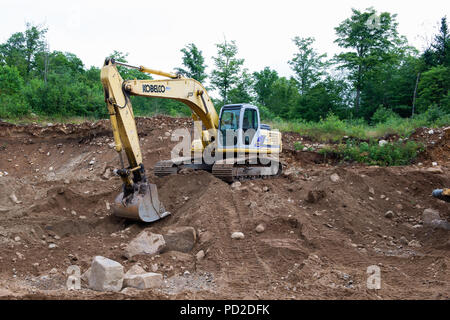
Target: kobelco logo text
153,88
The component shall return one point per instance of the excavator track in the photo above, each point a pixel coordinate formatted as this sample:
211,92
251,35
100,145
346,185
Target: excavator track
165,168
238,169
229,170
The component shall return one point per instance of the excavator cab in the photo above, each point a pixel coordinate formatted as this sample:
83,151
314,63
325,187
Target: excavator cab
240,130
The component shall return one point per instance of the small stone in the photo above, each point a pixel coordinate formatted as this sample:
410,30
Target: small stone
403,241
17,239
260,228
434,164
14,199
53,271
200,255
237,235
371,190
382,143
235,185
154,267
389,214
414,243
52,246
334,177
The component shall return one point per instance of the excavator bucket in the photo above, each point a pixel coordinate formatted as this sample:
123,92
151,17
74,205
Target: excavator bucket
142,205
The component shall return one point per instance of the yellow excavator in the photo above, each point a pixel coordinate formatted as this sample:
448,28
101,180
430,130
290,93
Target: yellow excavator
232,146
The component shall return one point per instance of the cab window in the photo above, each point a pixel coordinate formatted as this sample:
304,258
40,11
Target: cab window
229,124
249,125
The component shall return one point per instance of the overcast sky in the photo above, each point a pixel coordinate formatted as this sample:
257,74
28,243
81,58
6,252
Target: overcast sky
153,32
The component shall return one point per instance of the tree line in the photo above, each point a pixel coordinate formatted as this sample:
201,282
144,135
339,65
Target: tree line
377,75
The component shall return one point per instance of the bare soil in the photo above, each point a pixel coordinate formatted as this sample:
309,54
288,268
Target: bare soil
320,236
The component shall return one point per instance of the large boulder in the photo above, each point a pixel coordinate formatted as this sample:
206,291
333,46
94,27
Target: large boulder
105,274
145,243
180,239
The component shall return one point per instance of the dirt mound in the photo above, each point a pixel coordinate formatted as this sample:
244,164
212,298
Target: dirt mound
436,143
320,225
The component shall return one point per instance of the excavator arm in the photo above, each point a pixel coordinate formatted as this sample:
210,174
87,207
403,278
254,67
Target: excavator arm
139,199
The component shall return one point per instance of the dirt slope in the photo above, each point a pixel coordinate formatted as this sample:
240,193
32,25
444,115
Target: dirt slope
320,235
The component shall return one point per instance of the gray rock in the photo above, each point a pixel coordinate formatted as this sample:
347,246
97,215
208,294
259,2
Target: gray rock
134,270
143,281
403,240
106,275
237,235
180,239
382,143
260,228
145,243
335,177
200,255
389,214
414,243
235,185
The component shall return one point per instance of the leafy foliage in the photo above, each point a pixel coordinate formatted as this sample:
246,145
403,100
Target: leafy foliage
227,70
194,63
390,154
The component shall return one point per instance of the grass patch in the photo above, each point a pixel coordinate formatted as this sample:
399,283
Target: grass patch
333,129
390,154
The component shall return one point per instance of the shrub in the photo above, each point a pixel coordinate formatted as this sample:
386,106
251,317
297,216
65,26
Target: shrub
390,154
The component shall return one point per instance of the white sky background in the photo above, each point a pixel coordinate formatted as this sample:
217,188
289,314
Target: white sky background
153,32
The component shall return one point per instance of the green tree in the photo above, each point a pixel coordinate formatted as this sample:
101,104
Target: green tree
441,44
10,80
434,88
242,93
369,39
284,97
307,64
262,84
193,62
22,48
227,69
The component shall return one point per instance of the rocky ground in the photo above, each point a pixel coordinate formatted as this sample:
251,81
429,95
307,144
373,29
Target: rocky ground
310,234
